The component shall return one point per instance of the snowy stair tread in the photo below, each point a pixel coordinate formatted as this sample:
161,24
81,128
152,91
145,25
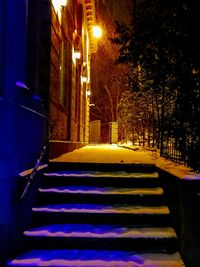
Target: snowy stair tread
101,231
102,174
101,178
102,190
96,258
101,209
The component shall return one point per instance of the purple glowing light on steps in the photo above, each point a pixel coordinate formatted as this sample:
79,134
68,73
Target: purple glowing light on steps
102,209
105,190
117,174
101,231
95,258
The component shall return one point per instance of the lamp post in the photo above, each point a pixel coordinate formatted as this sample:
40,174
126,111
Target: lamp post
96,31
96,34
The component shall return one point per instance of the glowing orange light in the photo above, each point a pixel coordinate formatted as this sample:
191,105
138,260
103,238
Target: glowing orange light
88,93
97,31
83,79
77,55
59,2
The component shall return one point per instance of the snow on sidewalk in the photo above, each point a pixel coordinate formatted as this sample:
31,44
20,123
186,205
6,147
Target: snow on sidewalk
105,154
117,154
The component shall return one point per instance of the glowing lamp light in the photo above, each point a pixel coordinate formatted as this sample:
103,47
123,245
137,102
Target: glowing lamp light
63,2
97,31
83,79
77,54
59,2
88,93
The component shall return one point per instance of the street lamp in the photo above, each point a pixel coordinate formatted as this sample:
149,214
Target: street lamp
97,31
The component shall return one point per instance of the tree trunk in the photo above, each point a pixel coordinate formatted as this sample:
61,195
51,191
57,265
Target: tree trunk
162,122
111,103
158,120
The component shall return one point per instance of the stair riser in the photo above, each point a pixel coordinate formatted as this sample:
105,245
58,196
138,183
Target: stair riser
53,181
52,198
139,244
40,218
104,167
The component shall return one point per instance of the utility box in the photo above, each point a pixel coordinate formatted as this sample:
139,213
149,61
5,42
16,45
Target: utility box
113,132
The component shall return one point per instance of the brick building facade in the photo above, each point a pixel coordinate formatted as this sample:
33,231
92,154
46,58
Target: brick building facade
43,85
71,47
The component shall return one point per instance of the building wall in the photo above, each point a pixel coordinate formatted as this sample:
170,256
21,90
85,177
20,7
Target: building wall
57,108
32,92
68,104
38,48
63,124
23,121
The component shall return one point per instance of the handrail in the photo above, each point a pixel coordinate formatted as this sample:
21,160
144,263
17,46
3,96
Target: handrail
34,171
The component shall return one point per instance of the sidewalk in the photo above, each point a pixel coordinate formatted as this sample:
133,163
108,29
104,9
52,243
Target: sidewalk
117,154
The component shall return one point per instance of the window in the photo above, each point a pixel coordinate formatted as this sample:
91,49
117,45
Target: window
65,54
62,78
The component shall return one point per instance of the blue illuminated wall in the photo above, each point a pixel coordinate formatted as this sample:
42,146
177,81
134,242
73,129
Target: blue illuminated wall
23,123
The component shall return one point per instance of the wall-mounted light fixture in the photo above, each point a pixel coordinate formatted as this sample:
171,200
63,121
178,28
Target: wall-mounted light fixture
88,93
77,54
83,79
77,45
61,3
58,7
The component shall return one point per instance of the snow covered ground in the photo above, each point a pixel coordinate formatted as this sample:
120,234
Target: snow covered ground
117,154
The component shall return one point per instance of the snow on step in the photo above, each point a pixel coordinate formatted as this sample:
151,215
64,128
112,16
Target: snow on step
101,231
103,191
102,174
95,258
102,209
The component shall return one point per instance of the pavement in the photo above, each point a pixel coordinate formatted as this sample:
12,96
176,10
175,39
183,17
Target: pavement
106,153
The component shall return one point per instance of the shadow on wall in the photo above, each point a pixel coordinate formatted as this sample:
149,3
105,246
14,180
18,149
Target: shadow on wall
184,202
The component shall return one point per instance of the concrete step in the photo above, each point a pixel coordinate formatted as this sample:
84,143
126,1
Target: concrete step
101,213
96,258
100,237
100,178
102,167
93,194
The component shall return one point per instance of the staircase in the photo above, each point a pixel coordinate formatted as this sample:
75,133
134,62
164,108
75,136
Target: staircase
100,215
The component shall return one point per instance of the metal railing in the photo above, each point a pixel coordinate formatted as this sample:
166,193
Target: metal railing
182,149
35,170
